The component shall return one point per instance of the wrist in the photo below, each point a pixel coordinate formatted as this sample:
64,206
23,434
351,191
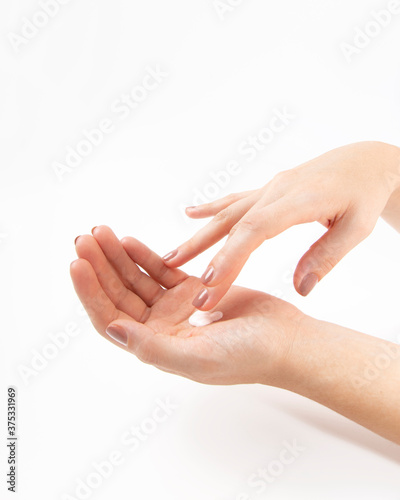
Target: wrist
299,362
294,344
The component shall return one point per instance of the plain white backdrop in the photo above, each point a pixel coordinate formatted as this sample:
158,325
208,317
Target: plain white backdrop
222,71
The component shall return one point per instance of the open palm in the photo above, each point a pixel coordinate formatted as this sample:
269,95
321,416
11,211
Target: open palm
153,309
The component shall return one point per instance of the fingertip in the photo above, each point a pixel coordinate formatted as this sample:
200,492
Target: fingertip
81,273
170,256
201,298
204,301
117,333
136,337
73,266
101,230
208,275
195,213
78,264
128,242
190,211
307,284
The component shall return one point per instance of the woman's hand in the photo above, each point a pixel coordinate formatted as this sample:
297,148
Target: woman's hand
346,190
147,314
260,339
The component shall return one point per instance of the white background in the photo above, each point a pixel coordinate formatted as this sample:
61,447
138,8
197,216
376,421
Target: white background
226,75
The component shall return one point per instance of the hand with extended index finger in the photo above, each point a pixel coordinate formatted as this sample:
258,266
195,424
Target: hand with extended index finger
346,190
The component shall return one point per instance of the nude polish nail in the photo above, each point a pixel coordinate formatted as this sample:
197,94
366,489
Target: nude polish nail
117,333
208,275
170,255
200,298
76,239
308,283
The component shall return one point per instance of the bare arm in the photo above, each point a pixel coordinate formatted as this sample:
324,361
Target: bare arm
352,373
260,339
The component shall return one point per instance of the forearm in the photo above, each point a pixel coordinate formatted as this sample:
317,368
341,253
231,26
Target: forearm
352,373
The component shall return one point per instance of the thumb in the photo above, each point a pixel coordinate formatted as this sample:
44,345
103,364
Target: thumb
326,252
167,352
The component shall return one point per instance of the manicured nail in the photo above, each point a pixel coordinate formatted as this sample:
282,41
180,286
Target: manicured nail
191,208
308,283
117,333
93,229
208,275
200,298
170,255
76,239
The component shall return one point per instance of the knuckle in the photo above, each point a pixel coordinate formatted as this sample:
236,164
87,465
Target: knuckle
143,352
279,184
364,226
324,257
280,177
189,247
133,278
162,270
120,298
328,263
223,216
232,197
247,224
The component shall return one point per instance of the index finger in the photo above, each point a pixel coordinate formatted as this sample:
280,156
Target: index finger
211,233
258,225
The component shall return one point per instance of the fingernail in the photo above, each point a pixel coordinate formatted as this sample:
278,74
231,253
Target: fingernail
190,208
93,229
200,298
76,239
308,283
170,255
208,275
117,333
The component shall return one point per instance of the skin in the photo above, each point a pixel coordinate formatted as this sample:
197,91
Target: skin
241,348
260,339
346,190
